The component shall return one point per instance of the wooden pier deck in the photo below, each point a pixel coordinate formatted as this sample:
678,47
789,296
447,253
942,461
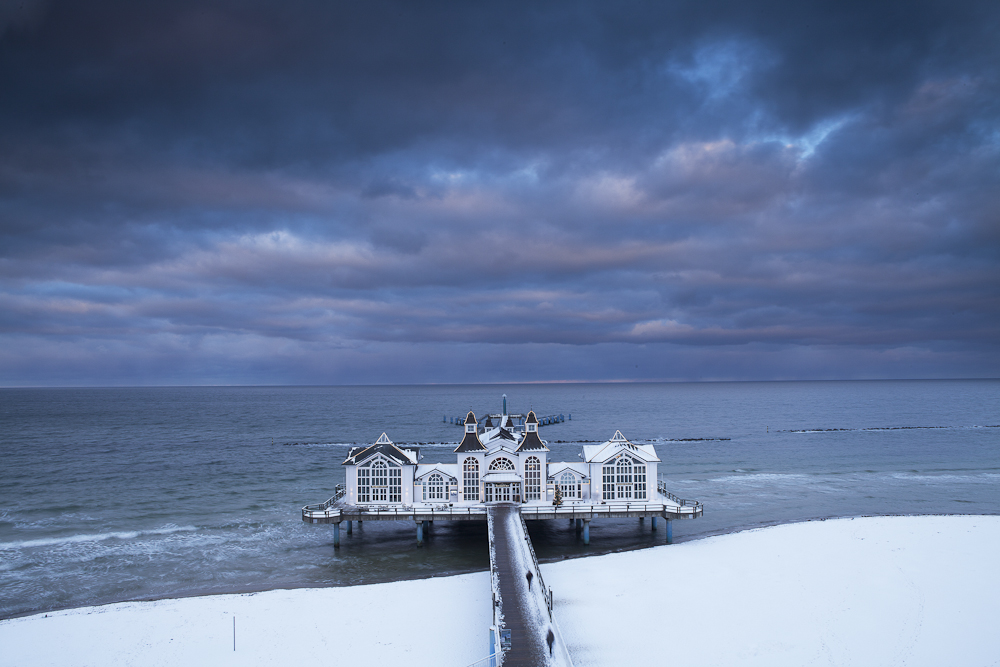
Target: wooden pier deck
525,604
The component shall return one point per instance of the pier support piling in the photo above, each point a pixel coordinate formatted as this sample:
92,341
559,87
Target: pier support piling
670,531
420,533
579,526
586,531
653,522
336,536
350,527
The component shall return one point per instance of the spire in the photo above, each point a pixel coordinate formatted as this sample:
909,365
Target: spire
505,403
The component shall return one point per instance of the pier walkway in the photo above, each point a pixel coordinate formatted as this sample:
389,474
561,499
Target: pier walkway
522,603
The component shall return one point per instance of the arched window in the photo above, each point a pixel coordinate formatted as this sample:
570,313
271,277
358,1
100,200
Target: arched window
501,464
379,482
623,474
569,485
532,478
470,468
434,487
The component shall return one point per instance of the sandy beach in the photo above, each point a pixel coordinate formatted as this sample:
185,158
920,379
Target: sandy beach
873,591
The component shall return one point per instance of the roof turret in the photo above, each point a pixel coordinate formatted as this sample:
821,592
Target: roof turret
531,441
471,441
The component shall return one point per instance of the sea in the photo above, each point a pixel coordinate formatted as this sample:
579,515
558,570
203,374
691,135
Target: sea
115,494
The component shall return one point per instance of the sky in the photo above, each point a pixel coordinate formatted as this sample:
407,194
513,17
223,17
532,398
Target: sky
331,192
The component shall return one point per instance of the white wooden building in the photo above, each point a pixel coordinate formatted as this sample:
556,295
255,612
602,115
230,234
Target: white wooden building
504,461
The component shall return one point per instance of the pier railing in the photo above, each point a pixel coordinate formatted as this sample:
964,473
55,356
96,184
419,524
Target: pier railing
339,492
569,510
587,510
662,488
546,591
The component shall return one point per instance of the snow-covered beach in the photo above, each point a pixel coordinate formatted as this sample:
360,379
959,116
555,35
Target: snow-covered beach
880,590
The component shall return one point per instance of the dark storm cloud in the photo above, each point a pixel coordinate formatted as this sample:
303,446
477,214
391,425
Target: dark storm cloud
333,191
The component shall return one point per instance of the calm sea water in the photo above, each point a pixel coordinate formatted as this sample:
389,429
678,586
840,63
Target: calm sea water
121,494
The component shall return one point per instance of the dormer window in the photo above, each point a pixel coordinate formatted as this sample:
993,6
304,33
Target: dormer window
532,428
470,428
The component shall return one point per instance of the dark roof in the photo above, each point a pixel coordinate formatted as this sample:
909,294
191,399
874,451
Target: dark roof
510,422
388,450
531,442
489,422
471,443
532,419
505,434
471,418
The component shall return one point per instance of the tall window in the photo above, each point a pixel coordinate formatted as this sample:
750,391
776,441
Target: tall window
434,487
501,464
623,474
608,481
364,485
639,475
532,478
395,484
569,485
471,471
380,482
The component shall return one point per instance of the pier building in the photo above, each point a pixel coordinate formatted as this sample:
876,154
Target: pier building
502,460
502,475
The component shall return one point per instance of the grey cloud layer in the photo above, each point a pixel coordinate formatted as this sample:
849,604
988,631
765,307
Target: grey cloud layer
342,192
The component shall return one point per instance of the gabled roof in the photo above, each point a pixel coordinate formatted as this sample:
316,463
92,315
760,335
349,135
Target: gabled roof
385,447
559,467
618,443
446,469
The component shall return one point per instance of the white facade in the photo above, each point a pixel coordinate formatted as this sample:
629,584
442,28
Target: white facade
506,462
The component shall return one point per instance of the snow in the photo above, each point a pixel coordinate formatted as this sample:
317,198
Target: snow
442,621
870,591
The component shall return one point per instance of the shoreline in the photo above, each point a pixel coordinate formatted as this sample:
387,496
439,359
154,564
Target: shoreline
457,573
917,589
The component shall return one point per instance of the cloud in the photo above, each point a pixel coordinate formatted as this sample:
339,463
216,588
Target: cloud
214,192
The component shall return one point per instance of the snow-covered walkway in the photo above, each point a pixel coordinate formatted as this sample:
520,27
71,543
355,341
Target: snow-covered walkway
535,641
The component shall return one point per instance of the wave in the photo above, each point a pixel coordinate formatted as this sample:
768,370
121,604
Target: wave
93,537
886,428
